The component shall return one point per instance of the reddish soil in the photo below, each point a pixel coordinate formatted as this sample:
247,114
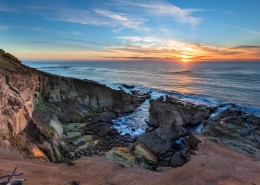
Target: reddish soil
213,165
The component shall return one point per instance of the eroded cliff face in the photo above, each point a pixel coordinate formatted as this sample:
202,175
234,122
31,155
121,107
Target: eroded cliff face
35,106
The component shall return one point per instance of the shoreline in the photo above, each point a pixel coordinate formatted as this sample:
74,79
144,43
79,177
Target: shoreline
199,99
63,119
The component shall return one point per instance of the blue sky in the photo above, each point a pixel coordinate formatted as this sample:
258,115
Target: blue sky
176,30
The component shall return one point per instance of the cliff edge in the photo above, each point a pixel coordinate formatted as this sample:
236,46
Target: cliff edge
41,114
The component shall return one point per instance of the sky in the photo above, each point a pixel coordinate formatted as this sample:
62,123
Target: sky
124,30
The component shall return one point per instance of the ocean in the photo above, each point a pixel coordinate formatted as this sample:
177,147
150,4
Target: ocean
210,83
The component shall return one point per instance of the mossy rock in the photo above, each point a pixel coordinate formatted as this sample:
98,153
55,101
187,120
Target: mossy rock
121,154
47,107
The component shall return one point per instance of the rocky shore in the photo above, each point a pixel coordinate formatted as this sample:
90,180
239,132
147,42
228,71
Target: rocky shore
58,118
61,119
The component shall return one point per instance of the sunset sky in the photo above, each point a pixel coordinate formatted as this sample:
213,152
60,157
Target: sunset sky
159,30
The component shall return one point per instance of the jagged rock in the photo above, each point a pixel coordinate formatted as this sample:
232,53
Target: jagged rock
128,86
170,117
100,128
37,153
105,116
70,135
121,154
56,124
89,144
78,127
145,154
154,143
179,158
83,139
49,101
237,131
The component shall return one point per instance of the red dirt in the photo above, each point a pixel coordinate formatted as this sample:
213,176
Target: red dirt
213,165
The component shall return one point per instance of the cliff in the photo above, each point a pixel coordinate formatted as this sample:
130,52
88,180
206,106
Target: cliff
35,107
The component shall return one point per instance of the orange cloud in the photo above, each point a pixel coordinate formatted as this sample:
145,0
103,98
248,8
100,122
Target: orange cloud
149,48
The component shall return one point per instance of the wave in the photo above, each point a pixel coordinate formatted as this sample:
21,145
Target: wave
198,100
55,67
175,72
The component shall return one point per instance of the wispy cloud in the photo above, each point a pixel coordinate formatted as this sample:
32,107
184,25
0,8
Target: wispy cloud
120,19
164,9
98,17
5,27
248,30
7,9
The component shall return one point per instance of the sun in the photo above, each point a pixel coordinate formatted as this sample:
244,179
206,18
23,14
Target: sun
185,60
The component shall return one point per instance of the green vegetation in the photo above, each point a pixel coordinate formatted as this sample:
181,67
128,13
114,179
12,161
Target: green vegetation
47,107
48,131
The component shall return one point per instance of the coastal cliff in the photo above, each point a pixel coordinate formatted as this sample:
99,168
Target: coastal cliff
36,108
61,119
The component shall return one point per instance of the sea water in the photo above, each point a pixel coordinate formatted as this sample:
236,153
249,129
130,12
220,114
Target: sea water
209,83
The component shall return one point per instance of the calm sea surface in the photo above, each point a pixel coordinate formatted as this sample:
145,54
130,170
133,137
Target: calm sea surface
232,82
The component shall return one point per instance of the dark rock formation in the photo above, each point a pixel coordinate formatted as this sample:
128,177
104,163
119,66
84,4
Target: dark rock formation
38,107
169,118
237,130
128,86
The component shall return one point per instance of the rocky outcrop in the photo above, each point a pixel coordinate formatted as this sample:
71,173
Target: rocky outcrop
169,144
235,129
41,105
169,119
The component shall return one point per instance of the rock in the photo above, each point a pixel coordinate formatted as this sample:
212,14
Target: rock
48,150
128,86
5,143
121,154
105,116
170,117
70,135
100,128
237,131
154,143
89,144
161,98
78,127
49,101
37,153
145,154
83,140
141,94
179,158
192,142
73,182
227,113
56,124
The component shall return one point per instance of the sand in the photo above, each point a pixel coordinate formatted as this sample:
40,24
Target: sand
213,164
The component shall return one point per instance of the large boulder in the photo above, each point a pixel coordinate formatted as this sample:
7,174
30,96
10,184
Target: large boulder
154,143
121,154
170,117
143,153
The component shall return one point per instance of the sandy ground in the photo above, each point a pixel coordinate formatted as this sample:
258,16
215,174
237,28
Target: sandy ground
213,165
